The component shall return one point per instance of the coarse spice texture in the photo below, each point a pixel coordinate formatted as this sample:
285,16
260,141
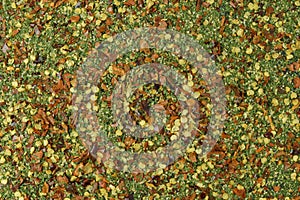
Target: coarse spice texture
256,44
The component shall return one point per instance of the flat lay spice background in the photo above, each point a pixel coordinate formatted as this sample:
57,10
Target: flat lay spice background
256,44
